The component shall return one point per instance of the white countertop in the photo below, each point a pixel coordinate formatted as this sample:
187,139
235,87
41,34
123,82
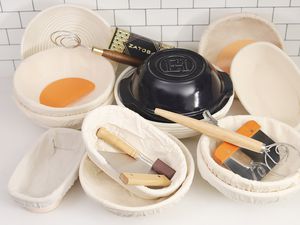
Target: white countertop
202,205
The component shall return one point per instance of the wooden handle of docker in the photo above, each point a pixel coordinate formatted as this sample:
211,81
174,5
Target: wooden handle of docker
116,142
213,131
118,57
145,179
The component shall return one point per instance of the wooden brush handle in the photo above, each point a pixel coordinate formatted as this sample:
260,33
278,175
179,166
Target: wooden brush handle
118,57
213,131
153,180
116,142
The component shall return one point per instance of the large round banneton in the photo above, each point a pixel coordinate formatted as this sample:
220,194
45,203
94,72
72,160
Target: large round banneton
236,27
92,29
69,121
277,131
268,84
99,186
41,69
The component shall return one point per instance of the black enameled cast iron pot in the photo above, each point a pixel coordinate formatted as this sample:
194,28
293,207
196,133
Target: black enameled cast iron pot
177,80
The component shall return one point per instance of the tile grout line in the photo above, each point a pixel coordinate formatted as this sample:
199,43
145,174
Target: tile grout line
177,17
7,60
209,15
115,22
161,33
32,3
15,67
192,33
7,36
20,20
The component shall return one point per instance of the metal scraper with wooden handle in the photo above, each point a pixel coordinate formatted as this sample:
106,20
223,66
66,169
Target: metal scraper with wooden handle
213,131
158,165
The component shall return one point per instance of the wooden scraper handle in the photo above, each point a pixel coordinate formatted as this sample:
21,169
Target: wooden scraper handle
145,179
213,131
116,142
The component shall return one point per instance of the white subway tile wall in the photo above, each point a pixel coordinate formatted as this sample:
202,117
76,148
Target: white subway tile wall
177,33
266,13
108,15
209,3
216,14
193,16
241,3
293,32
273,3
177,22
153,32
161,16
43,4
177,3
295,3
92,4
144,4
130,17
282,28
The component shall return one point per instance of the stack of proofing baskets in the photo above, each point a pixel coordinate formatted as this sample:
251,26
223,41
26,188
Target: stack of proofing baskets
31,77
43,63
230,29
55,63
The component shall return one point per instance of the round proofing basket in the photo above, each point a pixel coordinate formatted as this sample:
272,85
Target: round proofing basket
276,130
71,121
239,194
175,129
233,28
118,200
272,68
41,69
92,29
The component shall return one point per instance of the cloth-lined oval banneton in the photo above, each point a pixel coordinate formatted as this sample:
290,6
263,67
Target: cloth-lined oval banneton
140,134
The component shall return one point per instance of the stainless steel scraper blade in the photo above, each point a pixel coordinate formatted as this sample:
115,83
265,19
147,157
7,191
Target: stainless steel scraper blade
124,163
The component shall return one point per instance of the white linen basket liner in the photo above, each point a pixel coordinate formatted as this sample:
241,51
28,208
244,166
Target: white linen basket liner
276,78
92,29
122,202
140,134
241,26
70,121
41,69
174,129
276,130
47,172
